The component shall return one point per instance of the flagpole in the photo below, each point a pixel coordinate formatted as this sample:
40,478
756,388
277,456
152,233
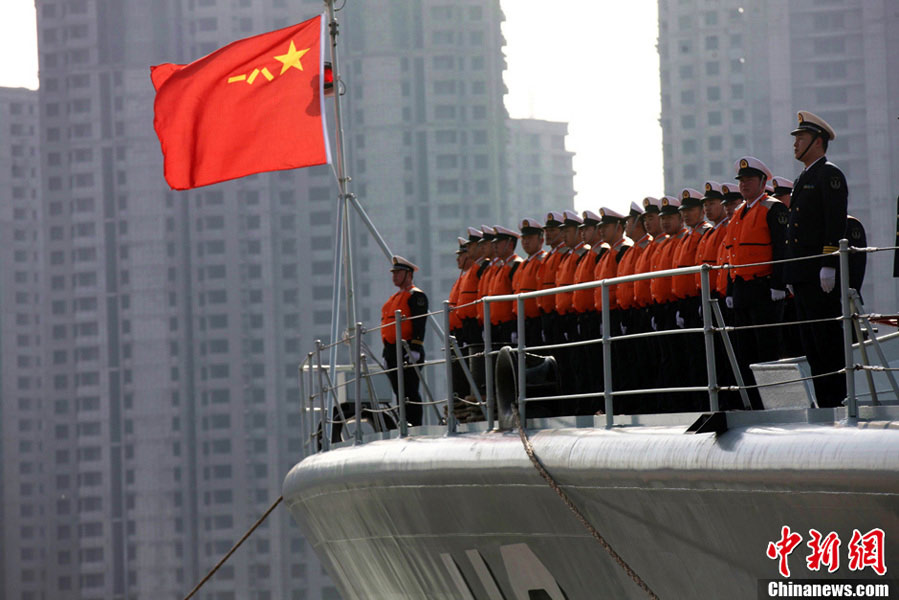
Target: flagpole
343,226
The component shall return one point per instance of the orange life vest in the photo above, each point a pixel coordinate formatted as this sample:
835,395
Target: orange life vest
642,288
468,292
546,276
707,254
662,290
582,300
526,280
684,286
606,268
751,239
501,284
454,318
398,302
484,287
624,296
565,276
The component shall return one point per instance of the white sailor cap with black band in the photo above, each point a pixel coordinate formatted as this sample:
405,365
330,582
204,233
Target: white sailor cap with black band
690,198
554,219
398,263
636,210
750,166
712,191
769,189
782,185
463,245
474,235
590,218
571,219
652,205
504,233
609,216
487,233
814,124
529,226
731,193
670,205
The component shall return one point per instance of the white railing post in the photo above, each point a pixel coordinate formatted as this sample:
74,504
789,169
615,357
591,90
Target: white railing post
358,384
323,417
448,357
522,371
488,365
607,357
852,401
708,333
400,373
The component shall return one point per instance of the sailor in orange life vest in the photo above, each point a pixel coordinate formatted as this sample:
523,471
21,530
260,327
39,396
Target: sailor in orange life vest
463,261
757,234
502,318
527,279
412,302
817,221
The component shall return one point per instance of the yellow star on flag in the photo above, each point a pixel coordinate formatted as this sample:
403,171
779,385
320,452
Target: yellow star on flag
292,58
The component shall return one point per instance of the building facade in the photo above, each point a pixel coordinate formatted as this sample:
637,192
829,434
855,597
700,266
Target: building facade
734,75
151,408
541,177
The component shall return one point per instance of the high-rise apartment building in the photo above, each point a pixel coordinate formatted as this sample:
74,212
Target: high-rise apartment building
734,74
22,462
540,171
155,407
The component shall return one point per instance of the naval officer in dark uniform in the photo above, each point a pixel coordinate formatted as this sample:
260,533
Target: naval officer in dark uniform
817,222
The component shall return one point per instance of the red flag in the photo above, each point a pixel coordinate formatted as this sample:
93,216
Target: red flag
252,106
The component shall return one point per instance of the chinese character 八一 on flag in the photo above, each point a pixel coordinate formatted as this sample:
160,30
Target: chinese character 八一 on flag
253,106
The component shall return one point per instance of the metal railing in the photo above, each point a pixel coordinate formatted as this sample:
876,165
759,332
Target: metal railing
319,389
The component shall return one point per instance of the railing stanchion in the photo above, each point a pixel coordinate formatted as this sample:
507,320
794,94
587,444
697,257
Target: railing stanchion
310,403
852,401
488,366
448,357
400,373
708,333
358,384
323,417
302,386
607,357
522,369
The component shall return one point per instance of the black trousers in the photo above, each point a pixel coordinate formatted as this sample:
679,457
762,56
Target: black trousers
410,381
753,306
822,342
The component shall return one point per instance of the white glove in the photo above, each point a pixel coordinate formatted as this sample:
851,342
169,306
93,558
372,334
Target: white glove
679,320
514,337
777,295
623,328
790,289
652,322
828,277
729,301
415,355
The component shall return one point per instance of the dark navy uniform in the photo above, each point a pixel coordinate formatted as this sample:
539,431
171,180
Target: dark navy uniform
858,261
817,223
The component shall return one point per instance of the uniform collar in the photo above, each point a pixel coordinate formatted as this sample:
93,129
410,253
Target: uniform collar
721,223
822,157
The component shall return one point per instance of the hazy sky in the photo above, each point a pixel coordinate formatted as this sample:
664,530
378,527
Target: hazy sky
592,64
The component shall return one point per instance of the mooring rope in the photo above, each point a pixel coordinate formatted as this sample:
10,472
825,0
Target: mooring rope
529,449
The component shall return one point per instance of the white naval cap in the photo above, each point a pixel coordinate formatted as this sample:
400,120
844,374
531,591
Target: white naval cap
530,226
463,245
554,219
713,191
487,233
731,192
670,205
398,263
591,218
751,166
690,197
652,204
569,217
611,216
782,185
505,232
813,123
636,209
769,189
474,234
